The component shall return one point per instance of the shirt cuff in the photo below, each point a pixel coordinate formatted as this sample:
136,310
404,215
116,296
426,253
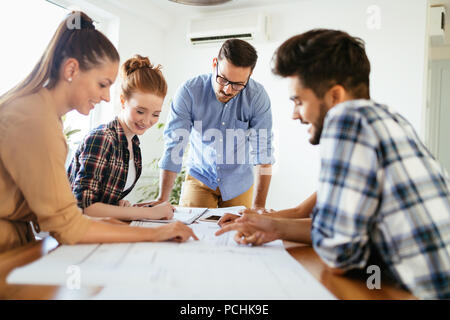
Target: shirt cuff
166,164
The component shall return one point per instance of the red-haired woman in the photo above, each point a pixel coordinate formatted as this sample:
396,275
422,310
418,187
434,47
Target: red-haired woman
107,164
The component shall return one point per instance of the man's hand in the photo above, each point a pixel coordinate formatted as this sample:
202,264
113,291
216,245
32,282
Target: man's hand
252,229
227,218
230,217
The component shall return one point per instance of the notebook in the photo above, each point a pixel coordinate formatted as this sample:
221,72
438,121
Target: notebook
182,214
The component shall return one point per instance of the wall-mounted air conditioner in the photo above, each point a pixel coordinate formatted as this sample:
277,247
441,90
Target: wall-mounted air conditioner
437,25
245,26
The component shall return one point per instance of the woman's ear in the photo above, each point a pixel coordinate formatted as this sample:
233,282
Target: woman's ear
70,69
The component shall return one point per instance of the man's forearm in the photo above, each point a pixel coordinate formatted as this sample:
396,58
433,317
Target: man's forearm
297,230
166,181
303,210
263,177
291,213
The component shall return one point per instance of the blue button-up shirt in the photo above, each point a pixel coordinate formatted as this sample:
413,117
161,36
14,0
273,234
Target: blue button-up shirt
225,140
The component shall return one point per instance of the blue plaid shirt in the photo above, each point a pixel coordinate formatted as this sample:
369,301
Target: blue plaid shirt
381,192
226,140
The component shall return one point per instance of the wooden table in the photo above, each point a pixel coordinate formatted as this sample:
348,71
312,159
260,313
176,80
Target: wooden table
343,287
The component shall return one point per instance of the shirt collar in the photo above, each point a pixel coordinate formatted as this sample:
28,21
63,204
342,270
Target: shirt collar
346,104
116,126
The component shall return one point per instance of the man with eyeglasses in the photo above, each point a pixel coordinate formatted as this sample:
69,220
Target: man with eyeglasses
227,118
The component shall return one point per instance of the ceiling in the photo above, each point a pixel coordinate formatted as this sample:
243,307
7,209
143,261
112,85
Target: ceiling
162,13
175,9
439,2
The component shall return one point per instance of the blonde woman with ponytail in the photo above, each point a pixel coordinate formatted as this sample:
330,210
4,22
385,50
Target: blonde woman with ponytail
108,163
74,73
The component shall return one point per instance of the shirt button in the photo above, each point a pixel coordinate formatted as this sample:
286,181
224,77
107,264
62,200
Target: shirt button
220,140
218,179
223,123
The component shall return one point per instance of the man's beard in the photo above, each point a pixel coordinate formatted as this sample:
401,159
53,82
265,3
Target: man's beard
318,126
223,97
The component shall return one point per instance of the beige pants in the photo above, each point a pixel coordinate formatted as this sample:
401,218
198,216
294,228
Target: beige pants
197,194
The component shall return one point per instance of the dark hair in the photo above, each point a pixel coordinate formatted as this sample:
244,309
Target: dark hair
239,52
139,74
76,37
322,58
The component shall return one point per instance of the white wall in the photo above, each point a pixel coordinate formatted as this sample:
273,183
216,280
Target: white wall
396,52
136,35
133,32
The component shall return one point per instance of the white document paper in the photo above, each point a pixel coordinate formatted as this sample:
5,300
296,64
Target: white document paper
222,211
183,214
211,268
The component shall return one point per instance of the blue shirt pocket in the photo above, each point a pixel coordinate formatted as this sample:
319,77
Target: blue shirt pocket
240,124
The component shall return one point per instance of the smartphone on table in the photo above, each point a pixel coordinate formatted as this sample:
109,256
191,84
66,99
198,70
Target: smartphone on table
212,218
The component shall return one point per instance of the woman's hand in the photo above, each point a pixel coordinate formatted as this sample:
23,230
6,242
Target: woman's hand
175,231
124,203
163,211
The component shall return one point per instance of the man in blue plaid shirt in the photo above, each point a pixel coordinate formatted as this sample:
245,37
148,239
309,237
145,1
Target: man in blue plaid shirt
381,193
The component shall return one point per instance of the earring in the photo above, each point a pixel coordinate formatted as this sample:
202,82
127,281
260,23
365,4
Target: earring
70,79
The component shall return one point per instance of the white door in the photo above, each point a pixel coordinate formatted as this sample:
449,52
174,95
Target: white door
439,130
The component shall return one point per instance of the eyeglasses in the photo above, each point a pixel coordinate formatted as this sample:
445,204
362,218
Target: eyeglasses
224,81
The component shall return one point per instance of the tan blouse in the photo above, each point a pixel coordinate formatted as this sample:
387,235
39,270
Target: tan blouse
33,181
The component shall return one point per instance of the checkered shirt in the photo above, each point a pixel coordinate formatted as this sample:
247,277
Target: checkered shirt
98,171
382,192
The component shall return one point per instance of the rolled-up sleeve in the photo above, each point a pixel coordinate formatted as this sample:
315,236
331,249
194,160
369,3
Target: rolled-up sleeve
261,134
34,157
89,168
348,193
177,131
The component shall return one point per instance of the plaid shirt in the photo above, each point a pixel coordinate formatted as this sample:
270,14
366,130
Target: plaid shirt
381,192
98,171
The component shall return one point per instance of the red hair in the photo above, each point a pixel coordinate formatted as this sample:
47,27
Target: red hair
138,74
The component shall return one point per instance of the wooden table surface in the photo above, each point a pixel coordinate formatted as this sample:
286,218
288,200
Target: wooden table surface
343,287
